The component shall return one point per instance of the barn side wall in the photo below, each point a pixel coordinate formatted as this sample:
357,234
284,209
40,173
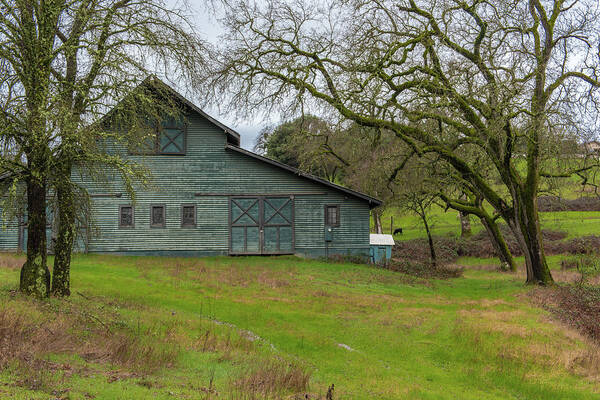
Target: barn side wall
206,176
9,234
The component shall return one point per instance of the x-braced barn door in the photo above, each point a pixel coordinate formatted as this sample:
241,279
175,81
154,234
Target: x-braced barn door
261,225
278,227
245,225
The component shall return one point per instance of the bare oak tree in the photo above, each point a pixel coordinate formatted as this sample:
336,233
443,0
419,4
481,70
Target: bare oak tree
501,76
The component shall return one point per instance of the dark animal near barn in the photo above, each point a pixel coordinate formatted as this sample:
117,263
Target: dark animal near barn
398,231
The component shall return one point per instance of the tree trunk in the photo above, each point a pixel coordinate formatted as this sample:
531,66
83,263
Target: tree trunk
66,234
507,261
465,224
526,229
377,221
430,240
35,276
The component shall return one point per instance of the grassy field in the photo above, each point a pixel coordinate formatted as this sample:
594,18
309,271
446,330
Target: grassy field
282,327
575,223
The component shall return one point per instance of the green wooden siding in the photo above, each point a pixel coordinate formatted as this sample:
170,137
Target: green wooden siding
206,176
210,232
9,235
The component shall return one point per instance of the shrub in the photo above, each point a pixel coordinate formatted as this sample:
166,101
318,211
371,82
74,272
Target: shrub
588,266
448,249
424,269
575,305
555,203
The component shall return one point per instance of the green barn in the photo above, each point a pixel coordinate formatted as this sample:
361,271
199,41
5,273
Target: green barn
211,197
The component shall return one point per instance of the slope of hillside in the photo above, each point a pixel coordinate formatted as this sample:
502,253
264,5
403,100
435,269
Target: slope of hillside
283,327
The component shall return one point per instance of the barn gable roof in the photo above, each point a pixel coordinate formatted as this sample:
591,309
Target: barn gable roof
373,202
232,136
233,143
154,83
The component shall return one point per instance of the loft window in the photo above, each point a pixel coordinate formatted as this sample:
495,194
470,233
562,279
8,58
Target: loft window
126,217
168,138
171,141
188,215
157,216
332,215
171,137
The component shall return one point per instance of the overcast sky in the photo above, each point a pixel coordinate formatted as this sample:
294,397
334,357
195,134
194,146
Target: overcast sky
209,27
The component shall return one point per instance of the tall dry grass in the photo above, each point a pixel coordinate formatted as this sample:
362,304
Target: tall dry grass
31,330
271,379
11,261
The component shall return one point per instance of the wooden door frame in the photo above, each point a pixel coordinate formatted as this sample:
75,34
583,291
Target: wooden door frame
258,225
290,199
261,223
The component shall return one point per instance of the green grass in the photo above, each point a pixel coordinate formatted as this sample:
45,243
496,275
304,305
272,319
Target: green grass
575,223
443,223
476,337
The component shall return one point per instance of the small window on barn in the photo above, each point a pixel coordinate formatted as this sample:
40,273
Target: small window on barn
188,215
332,215
126,216
171,137
167,138
157,215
